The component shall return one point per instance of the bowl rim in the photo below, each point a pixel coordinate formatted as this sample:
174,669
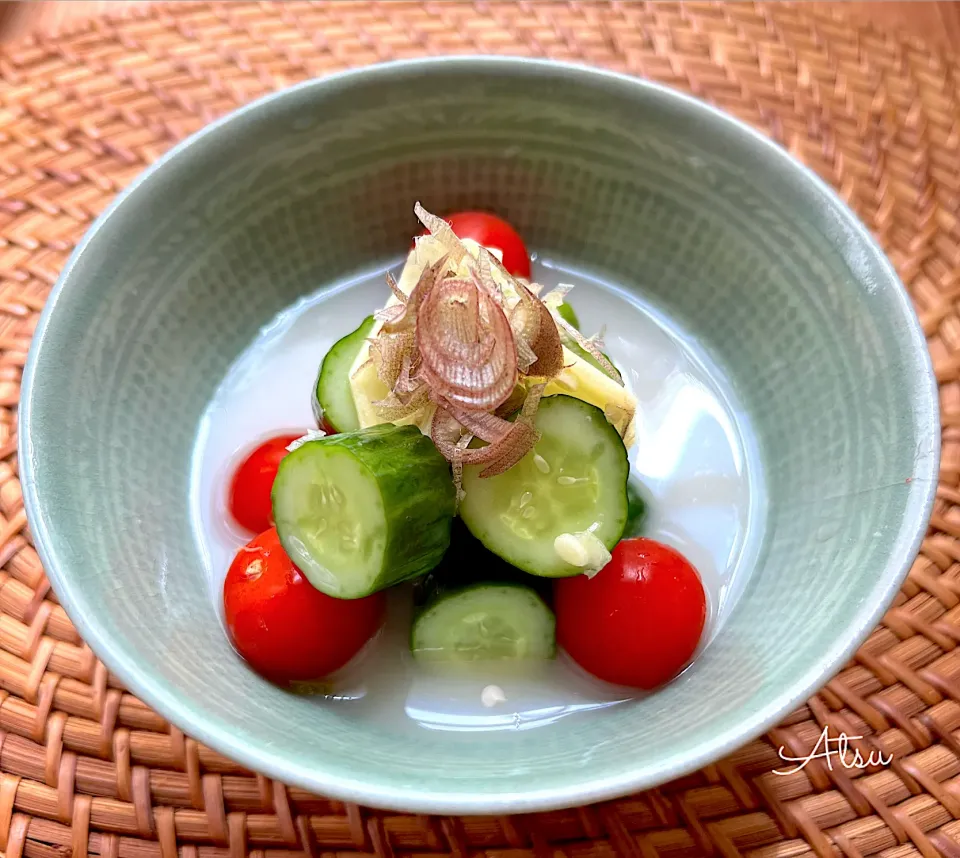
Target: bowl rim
593,787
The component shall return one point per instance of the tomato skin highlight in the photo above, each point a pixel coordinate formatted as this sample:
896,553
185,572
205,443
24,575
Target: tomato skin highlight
252,482
638,621
285,628
492,231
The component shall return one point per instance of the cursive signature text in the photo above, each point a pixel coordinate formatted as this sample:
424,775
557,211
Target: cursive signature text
828,749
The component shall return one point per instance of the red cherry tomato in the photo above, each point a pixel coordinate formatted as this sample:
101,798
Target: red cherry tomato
327,426
285,628
491,231
250,490
638,621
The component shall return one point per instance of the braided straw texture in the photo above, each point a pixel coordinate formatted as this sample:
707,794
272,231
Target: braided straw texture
87,769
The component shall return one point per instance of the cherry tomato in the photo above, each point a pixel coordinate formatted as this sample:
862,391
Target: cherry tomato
493,232
638,621
250,502
328,427
286,629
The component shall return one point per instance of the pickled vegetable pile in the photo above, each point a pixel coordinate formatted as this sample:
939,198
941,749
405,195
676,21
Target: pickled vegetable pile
470,440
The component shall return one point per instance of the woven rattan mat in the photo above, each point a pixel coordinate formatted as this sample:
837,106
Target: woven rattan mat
89,769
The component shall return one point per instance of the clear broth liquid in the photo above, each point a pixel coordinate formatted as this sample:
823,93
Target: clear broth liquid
694,458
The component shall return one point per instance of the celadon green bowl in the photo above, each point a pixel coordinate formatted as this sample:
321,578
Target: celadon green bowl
716,226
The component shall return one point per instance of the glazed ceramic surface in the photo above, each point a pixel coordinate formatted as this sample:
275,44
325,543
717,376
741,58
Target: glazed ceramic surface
708,222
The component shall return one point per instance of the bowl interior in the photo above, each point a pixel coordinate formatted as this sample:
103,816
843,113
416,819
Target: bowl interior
715,227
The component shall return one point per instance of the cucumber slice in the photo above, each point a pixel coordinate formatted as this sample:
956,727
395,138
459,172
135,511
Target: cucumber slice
569,315
333,399
468,562
636,511
484,622
573,481
362,511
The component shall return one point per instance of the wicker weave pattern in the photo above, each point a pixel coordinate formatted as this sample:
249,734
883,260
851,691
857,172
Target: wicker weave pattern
88,769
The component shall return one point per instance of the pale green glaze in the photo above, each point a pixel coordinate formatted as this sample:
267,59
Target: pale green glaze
717,226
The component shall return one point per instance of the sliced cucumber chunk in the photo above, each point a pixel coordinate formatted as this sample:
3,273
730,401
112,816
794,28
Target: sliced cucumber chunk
636,511
468,562
333,399
364,510
484,622
574,481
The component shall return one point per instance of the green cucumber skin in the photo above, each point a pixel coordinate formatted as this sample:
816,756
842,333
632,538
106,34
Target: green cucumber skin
566,312
569,315
583,354
467,562
636,511
416,489
475,522
440,596
333,399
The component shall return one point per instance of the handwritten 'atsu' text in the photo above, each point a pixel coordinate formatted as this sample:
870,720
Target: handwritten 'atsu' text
834,749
